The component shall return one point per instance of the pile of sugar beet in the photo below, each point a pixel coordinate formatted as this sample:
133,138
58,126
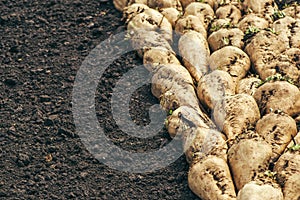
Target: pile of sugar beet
228,74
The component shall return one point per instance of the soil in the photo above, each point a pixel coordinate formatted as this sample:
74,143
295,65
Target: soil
42,46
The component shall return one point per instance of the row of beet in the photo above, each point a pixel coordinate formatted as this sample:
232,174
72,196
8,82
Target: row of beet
238,62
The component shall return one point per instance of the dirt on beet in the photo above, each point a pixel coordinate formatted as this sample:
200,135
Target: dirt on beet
42,46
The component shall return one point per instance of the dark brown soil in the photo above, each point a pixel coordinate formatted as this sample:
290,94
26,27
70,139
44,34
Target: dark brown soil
42,46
